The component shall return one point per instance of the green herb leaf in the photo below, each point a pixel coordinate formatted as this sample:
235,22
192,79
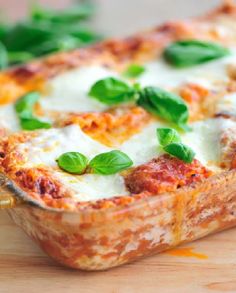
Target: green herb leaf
24,106
55,44
192,52
134,70
3,57
33,123
75,13
73,162
180,151
25,34
19,57
167,136
111,91
165,105
110,163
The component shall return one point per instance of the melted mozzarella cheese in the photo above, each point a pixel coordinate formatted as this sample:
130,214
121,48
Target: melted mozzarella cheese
161,74
48,145
227,104
8,118
204,139
69,91
92,186
44,149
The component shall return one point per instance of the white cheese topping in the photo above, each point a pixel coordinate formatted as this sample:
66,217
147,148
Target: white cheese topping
69,91
8,118
227,104
44,149
159,73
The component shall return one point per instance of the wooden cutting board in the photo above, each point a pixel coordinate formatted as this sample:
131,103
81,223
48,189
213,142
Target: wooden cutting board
207,265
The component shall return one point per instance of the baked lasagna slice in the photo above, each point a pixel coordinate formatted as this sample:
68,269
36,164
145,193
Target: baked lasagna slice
148,118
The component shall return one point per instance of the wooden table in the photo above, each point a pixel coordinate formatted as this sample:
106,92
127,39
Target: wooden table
25,269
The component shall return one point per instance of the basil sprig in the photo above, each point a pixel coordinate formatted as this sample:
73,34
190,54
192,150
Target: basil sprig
73,162
169,106
192,52
110,163
164,104
104,164
170,142
24,109
134,70
111,91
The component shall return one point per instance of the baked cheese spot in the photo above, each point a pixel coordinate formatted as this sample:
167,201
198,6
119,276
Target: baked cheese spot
112,127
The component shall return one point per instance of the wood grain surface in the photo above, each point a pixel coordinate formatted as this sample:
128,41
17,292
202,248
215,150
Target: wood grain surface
25,269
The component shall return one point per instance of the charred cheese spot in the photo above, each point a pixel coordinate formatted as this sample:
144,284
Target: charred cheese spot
165,174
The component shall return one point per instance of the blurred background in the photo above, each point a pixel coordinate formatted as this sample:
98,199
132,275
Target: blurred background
30,28
122,17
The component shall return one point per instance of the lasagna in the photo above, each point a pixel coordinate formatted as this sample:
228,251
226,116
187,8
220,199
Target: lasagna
126,121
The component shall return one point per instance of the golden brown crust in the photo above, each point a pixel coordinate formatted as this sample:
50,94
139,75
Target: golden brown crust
112,53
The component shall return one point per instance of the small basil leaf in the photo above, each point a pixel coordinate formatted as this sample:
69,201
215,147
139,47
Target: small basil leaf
167,136
73,162
180,151
72,14
3,57
134,70
164,104
24,106
111,91
192,52
110,163
55,44
32,123
19,57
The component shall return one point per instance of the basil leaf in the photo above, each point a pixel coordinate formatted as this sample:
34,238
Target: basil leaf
192,52
167,136
25,34
111,91
180,151
164,104
19,57
55,44
3,57
73,162
134,70
33,123
75,13
110,163
24,106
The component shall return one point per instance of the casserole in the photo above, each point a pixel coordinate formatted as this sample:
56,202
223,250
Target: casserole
102,233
